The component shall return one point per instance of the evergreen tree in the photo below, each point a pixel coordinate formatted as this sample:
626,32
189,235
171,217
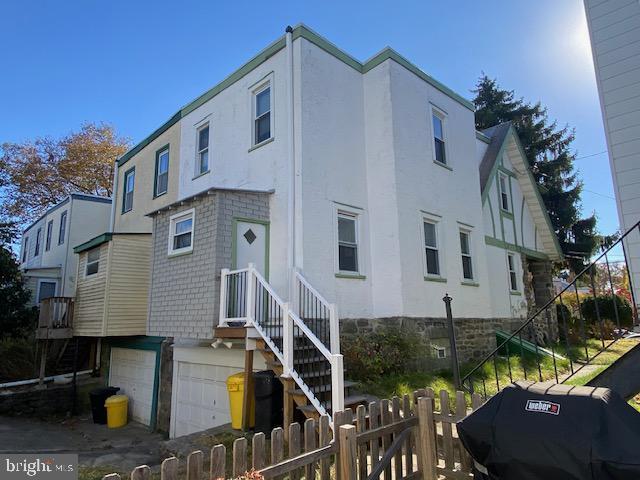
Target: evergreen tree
548,150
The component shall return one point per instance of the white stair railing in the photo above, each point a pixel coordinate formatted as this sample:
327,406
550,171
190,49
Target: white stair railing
246,297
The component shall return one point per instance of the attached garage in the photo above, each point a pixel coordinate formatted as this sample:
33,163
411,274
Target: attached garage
199,395
134,364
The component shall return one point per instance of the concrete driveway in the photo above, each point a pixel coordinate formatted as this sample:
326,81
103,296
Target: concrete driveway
96,445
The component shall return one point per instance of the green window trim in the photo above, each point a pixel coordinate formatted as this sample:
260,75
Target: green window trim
435,279
355,276
155,174
131,171
469,283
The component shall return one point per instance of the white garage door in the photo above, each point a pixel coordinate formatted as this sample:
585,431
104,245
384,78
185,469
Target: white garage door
134,372
201,399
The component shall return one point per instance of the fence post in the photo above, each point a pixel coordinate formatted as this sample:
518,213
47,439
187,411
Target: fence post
427,445
337,383
250,293
347,437
287,340
452,342
334,329
222,320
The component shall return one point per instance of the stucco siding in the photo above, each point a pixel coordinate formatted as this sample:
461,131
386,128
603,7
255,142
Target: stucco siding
89,308
144,201
128,286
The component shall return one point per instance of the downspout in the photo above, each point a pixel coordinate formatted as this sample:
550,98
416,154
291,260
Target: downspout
291,230
114,191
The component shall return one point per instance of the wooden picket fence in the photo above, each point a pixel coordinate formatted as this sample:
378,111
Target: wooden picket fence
398,439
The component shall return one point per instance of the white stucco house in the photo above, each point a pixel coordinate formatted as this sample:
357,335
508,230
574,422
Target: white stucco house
46,251
614,29
360,193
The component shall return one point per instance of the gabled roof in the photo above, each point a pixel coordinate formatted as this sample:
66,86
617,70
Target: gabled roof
504,138
300,31
76,196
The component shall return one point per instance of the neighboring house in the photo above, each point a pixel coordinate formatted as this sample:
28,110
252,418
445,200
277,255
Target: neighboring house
46,253
614,28
367,179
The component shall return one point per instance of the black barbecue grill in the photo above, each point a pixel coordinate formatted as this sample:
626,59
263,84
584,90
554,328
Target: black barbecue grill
543,431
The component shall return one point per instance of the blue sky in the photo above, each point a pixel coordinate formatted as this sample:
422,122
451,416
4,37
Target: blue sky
134,63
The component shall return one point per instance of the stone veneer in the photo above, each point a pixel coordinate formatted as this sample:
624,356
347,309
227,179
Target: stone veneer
185,289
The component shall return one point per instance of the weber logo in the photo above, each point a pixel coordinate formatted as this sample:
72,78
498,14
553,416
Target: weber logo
542,406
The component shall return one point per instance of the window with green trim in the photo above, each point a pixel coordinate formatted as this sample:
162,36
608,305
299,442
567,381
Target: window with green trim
431,249
505,201
465,250
513,272
162,172
202,150
129,183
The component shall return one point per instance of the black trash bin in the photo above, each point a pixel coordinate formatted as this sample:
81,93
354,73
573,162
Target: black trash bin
269,401
98,396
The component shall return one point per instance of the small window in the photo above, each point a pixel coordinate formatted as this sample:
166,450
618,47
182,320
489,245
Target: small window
25,249
432,254
202,150
63,228
440,352
262,115
129,183
438,137
513,277
181,233
465,249
347,243
47,245
162,172
93,262
46,290
505,203
38,240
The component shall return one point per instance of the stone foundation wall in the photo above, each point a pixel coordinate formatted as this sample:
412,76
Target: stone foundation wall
475,337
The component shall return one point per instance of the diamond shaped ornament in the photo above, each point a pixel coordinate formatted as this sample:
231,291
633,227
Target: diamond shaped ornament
250,236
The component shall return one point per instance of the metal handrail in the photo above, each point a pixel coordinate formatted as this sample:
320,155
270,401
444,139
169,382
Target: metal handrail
527,323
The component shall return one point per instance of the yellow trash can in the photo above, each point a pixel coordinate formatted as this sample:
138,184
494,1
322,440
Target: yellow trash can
117,406
235,387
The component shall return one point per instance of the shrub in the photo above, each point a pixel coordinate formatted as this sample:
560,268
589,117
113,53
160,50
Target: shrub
607,309
370,356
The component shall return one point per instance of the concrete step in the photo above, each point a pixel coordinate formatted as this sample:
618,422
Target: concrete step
622,376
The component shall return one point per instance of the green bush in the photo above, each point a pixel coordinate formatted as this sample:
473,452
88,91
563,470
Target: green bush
18,359
607,310
367,357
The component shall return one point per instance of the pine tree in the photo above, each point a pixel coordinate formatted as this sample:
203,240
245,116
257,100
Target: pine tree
548,150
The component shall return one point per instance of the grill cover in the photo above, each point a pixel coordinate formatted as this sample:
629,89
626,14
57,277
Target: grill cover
542,431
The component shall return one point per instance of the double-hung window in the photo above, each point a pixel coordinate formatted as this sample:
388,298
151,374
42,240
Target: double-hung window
181,232
513,276
262,114
202,150
38,240
63,228
432,254
465,250
25,249
47,245
505,202
162,172
93,262
347,242
129,183
439,142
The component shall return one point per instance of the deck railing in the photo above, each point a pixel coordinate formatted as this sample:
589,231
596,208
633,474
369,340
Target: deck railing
247,298
56,312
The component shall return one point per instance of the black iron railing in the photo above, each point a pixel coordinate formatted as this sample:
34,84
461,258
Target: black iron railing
584,320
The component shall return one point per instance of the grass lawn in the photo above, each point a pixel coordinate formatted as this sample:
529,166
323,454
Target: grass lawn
390,385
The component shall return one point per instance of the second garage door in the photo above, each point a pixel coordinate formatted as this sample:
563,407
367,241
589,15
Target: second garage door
133,371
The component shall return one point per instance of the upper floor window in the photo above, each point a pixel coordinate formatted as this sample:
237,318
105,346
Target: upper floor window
505,202
513,276
46,289
347,242
93,262
127,194
25,249
262,114
202,150
439,141
181,232
465,250
38,240
47,245
431,249
63,228
162,172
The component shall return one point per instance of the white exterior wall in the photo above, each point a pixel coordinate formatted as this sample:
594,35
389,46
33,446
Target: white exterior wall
614,27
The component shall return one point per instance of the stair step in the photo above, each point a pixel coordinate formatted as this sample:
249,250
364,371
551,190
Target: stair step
348,402
302,361
323,388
